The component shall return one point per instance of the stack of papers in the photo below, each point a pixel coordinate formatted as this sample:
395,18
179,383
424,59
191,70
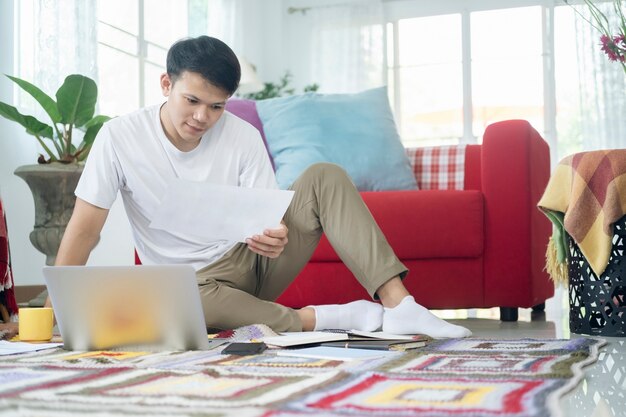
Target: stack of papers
291,339
360,334
362,345
11,348
333,353
398,345
303,338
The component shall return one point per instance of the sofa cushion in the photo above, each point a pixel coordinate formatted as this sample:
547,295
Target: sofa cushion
435,224
246,110
435,283
354,131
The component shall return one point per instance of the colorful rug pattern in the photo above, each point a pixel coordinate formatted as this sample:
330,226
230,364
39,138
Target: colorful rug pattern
469,377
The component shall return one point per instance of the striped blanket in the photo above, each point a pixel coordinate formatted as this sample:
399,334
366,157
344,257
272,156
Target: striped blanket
585,196
445,378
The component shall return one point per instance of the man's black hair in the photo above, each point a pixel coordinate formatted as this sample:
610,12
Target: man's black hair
209,57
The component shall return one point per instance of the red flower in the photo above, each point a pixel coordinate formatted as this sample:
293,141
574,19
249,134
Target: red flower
614,48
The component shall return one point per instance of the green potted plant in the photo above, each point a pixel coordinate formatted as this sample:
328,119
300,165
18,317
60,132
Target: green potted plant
282,88
52,181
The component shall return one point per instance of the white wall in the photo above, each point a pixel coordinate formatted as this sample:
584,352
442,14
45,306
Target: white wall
261,39
274,41
297,29
17,148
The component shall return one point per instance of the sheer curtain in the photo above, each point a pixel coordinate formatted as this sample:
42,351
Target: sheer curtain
602,89
347,53
64,41
225,22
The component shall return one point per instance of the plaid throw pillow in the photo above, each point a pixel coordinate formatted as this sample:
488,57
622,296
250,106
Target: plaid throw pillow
438,167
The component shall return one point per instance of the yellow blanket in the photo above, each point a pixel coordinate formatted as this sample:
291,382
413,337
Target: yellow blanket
585,196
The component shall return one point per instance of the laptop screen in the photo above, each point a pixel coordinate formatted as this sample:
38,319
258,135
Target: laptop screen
103,307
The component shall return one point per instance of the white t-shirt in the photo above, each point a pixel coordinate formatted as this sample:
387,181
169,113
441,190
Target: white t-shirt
132,154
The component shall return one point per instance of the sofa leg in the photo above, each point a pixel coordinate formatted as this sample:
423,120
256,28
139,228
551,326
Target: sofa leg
508,313
540,307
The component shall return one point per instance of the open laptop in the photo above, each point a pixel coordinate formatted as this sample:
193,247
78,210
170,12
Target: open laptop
102,307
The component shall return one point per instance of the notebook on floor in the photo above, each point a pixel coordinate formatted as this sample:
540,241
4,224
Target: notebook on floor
103,307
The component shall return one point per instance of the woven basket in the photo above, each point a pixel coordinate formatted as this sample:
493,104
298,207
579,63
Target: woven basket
598,304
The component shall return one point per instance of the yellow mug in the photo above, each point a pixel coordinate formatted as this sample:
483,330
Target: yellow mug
35,324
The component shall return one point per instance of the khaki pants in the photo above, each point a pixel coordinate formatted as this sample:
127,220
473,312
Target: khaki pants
239,288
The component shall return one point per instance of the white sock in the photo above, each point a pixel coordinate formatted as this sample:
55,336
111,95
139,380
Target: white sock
408,317
358,315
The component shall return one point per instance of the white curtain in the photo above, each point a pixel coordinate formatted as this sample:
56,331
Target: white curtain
348,46
602,89
225,22
65,41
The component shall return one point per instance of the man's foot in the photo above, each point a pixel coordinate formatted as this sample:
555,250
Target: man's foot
358,315
408,317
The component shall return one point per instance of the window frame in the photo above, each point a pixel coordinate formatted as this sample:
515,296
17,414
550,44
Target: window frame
398,10
142,45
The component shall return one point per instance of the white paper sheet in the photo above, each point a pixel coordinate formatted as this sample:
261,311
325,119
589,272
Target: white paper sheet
11,348
220,212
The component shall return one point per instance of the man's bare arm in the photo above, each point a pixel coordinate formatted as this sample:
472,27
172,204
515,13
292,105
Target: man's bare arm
81,235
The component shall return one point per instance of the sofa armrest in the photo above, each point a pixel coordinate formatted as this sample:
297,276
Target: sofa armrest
515,171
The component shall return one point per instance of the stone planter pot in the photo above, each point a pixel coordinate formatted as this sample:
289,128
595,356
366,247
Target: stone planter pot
52,186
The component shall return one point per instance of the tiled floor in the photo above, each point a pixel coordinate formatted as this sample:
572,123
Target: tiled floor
602,392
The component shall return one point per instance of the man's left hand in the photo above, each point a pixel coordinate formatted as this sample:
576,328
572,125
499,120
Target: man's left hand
271,243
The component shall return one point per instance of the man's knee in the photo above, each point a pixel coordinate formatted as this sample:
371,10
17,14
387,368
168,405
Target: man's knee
325,171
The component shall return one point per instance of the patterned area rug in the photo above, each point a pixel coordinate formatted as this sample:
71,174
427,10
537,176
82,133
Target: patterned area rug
469,377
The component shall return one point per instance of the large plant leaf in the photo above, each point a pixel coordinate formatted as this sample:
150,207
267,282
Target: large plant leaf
76,99
48,104
100,119
93,127
90,134
32,125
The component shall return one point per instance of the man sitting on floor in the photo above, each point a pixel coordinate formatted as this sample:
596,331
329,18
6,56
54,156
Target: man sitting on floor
191,137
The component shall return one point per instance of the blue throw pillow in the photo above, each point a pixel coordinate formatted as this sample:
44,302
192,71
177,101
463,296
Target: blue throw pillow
354,131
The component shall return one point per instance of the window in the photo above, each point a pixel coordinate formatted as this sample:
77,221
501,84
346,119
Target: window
566,57
427,72
507,67
457,67
428,79
132,47
120,43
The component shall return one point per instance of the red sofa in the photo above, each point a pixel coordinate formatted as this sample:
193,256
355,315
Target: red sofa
480,247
